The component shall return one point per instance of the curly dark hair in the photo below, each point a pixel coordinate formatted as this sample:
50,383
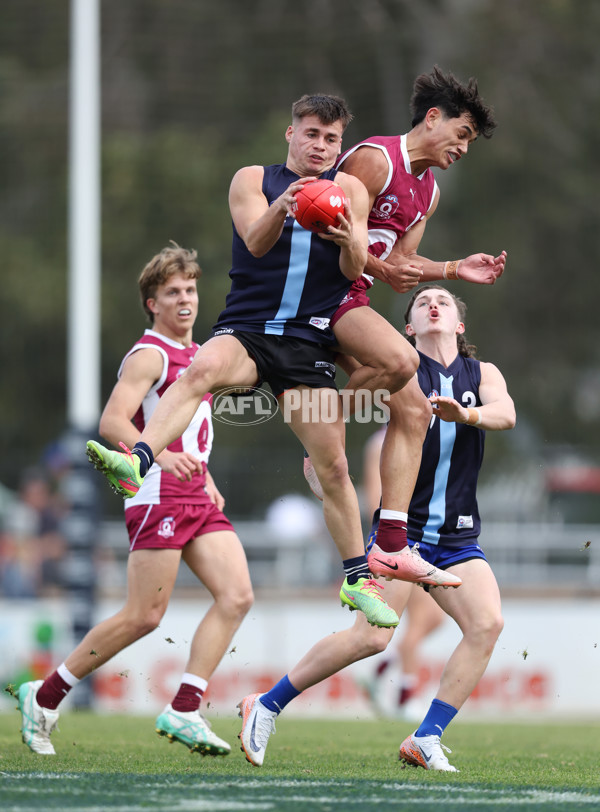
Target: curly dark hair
464,348
444,90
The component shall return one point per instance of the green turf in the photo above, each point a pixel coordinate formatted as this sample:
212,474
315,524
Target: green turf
118,762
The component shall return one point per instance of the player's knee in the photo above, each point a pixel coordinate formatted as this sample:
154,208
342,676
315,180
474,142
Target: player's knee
375,641
410,409
242,601
399,366
333,474
203,372
142,625
488,629
236,601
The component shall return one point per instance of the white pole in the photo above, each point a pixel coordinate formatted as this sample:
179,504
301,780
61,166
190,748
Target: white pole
83,353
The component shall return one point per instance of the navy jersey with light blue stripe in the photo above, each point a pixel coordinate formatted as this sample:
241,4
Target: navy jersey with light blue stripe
443,509
295,288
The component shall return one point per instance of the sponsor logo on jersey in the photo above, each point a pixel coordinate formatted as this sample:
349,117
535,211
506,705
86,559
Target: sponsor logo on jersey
385,206
464,522
319,323
166,527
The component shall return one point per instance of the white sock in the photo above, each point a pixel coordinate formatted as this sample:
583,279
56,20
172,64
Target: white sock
393,515
64,673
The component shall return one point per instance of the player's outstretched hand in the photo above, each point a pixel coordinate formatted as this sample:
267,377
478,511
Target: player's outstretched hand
482,269
448,409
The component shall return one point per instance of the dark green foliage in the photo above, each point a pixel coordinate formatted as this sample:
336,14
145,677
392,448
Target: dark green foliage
191,91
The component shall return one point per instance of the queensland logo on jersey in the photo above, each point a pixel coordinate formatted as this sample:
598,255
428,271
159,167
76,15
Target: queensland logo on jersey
319,323
243,406
166,527
385,206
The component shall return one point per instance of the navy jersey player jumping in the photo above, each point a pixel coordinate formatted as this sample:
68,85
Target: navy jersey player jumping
468,398
286,285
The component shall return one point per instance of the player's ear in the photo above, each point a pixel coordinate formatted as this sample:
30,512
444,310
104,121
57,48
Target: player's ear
409,330
289,132
152,306
433,115
460,328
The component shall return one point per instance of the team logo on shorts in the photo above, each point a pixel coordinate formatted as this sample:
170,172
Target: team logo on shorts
166,527
385,206
328,369
224,331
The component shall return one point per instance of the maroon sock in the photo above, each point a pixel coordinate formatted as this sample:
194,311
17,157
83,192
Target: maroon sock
382,667
188,698
391,535
52,692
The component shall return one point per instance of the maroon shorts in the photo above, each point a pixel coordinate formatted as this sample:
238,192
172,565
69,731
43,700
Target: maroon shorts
171,527
356,297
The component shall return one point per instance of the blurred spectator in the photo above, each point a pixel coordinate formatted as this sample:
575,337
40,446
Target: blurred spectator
31,545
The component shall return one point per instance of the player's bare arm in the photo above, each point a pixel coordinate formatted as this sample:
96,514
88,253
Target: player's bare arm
497,412
140,372
480,269
369,165
352,234
257,223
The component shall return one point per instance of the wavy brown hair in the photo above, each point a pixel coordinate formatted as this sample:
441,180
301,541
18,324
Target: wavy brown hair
171,260
464,348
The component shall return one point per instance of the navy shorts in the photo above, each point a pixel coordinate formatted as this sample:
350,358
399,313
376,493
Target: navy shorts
285,362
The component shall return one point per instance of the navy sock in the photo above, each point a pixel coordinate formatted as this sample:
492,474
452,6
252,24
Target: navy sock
356,568
278,697
438,717
144,452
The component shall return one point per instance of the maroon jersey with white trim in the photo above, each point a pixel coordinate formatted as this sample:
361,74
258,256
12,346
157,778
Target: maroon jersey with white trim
160,487
404,199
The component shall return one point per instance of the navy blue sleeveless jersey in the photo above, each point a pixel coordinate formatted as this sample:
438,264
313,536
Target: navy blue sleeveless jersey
443,509
295,288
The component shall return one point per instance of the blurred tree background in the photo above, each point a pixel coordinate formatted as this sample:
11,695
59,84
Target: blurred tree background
192,90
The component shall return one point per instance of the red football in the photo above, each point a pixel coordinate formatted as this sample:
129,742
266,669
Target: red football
318,204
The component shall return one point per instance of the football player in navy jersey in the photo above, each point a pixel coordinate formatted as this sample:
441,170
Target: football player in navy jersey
176,515
286,283
469,397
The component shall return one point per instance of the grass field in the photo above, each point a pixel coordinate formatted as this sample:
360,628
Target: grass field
119,763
